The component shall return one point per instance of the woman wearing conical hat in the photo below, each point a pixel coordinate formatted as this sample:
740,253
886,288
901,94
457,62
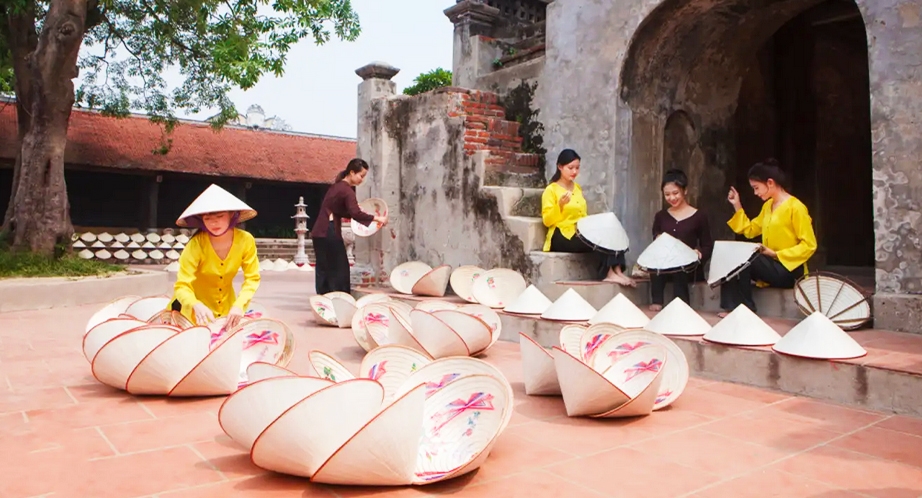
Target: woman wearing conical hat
204,287
682,221
562,206
787,234
332,270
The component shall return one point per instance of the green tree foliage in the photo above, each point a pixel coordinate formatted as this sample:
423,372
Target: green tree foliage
123,49
426,82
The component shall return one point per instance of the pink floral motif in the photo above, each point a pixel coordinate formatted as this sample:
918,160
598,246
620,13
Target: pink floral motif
625,348
377,370
643,367
594,344
477,401
432,387
379,318
264,337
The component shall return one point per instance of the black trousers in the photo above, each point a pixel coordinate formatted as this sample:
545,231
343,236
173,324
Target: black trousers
738,290
607,261
680,282
332,270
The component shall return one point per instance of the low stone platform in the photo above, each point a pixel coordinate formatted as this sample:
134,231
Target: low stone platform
888,379
18,294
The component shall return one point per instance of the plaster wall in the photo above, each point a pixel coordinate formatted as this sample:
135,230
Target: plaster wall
438,212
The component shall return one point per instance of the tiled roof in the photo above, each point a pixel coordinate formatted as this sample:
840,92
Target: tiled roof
128,144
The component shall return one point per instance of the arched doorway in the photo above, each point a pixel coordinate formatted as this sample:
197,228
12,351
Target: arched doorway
740,80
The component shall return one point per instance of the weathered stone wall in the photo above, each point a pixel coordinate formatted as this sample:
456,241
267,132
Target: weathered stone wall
436,148
616,71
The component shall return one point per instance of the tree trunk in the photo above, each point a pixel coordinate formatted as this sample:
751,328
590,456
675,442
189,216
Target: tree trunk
22,39
41,213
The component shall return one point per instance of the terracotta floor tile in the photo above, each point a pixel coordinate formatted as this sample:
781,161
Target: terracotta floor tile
532,408
671,419
228,457
773,484
162,433
766,429
166,407
139,474
533,484
38,473
856,472
884,443
34,399
831,417
263,486
581,436
714,404
630,472
747,392
908,425
514,454
710,452
94,391
34,439
92,414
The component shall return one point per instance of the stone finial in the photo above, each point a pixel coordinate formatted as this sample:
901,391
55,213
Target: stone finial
474,11
377,70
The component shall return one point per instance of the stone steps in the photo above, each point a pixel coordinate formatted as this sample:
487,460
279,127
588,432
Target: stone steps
556,272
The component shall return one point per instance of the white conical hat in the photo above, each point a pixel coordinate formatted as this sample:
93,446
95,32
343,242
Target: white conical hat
665,253
604,231
621,311
819,337
530,302
677,318
215,199
742,327
569,307
728,258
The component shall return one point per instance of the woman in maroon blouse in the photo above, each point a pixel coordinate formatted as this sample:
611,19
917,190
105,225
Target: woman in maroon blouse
687,224
332,270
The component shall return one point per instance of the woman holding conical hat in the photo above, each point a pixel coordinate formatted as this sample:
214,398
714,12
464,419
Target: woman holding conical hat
562,206
332,270
204,287
682,221
787,234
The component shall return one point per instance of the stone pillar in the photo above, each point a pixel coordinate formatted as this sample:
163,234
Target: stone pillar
383,180
894,33
476,23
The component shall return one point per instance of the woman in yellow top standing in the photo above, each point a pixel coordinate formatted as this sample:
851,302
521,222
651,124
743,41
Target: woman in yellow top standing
787,234
562,205
204,287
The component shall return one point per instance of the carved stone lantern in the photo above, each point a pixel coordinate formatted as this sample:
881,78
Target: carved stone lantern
301,218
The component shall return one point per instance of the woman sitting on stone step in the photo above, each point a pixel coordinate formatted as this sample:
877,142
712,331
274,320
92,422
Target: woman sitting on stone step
204,287
562,205
787,234
689,225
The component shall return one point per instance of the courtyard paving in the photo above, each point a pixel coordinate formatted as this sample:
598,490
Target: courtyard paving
65,435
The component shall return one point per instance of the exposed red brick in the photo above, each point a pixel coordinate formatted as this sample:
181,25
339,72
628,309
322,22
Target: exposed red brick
127,144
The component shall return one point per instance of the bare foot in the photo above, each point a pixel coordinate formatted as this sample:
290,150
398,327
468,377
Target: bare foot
621,280
655,307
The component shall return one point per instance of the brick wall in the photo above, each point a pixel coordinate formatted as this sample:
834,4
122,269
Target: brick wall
486,128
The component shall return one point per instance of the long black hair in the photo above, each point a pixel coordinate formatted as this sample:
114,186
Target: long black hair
769,169
565,157
355,166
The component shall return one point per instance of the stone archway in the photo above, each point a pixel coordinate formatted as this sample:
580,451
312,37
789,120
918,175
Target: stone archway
727,73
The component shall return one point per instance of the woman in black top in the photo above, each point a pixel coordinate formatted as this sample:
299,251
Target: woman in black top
687,224
332,270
